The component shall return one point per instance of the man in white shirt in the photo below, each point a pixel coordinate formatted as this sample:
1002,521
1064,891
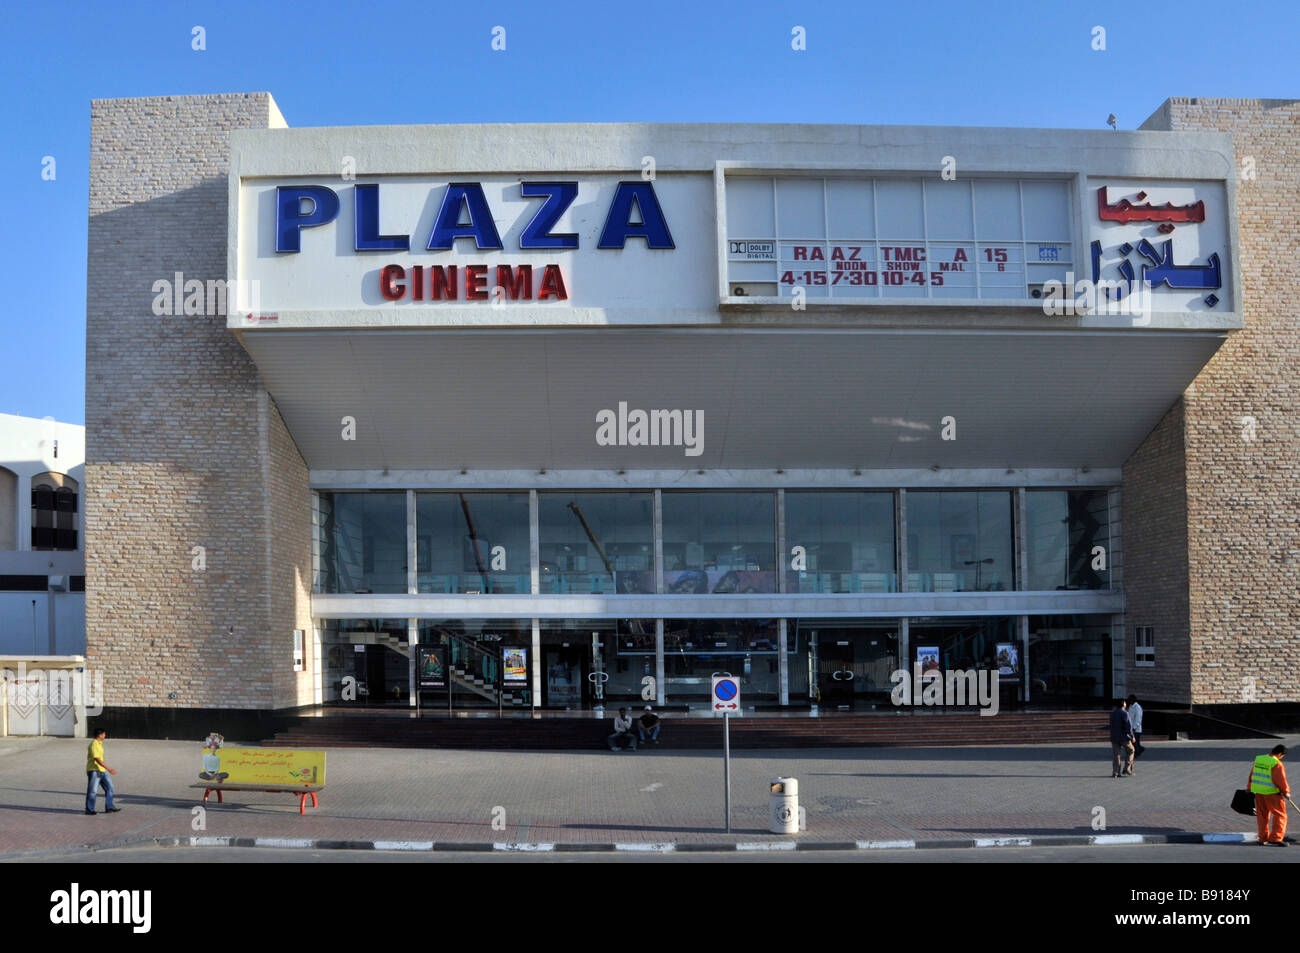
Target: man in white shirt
622,730
1135,716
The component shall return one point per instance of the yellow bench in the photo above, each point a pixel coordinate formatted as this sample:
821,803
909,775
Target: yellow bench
273,770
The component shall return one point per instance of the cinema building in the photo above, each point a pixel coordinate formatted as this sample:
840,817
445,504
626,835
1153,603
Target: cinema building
550,417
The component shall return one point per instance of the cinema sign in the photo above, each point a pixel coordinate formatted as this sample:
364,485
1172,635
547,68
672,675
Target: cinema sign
465,215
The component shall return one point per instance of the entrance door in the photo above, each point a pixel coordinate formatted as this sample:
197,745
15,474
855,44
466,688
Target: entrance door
565,679
835,674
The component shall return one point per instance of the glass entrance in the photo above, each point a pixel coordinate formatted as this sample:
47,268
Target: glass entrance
842,664
598,663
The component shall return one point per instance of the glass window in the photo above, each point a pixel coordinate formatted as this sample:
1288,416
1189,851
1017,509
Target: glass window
365,661
363,537
587,663
472,543
54,512
1063,531
719,542
482,657
966,643
848,663
1069,658
596,542
959,541
694,649
840,542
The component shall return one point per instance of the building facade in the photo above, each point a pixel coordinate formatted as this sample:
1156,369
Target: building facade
42,546
549,416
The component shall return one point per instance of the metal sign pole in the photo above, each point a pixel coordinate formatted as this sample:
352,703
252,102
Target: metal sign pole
726,764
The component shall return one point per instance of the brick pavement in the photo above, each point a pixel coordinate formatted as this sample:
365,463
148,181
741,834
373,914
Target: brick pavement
655,795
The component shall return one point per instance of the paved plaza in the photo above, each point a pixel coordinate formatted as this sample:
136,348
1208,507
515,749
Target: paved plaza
651,797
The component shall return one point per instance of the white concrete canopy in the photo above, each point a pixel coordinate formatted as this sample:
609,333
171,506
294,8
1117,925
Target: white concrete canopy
771,398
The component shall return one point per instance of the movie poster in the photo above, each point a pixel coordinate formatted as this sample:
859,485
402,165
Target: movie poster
515,665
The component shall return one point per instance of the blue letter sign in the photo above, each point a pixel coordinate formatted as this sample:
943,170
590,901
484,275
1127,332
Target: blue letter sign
619,226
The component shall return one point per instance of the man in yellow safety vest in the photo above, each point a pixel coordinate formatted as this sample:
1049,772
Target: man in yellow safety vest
1268,784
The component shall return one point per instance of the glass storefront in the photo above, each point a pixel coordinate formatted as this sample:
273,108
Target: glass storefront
480,657
472,543
959,541
842,664
840,542
602,543
962,642
719,542
697,649
363,542
1067,539
365,662
589,663
1069,658
596,542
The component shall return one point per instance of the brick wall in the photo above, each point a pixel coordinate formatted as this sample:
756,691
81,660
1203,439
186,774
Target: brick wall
182,442
1155,561
1243,495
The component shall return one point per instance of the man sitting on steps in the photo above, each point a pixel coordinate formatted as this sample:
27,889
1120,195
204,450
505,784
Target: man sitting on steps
622,731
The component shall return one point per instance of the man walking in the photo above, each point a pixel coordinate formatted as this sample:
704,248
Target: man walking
1268,784
1121,741
97,775
1135,717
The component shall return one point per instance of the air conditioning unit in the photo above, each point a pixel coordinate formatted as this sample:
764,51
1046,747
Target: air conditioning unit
752,289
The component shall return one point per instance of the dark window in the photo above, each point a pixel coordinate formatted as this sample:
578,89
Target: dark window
77,584
54,517
24,583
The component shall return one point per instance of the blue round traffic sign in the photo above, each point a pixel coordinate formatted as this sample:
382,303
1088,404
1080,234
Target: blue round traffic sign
725,690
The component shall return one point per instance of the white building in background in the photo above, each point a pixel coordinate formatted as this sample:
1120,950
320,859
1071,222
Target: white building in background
42,548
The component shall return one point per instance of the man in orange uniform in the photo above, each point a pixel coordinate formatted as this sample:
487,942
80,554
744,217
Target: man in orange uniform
1268,784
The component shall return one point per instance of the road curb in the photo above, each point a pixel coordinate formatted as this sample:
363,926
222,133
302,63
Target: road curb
668,847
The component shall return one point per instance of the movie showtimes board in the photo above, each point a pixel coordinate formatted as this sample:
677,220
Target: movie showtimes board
841,238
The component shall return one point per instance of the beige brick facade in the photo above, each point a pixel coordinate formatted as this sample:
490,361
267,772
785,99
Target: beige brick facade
185,447
182,442
1234,445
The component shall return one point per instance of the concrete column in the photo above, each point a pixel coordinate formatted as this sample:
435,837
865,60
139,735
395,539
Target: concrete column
905,646
900,520
412,566
1023,624
659,541
412,644
782,663
1021,557
24,522
781,554
534,545
660,694
537,647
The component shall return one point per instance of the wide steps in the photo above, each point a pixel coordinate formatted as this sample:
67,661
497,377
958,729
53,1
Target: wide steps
566,734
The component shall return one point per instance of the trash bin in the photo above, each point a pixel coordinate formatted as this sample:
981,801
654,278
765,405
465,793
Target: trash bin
784,806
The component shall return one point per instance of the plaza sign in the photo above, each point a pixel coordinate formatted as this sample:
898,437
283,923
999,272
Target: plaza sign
465,215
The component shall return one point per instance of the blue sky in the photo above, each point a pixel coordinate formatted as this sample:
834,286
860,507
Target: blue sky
982,63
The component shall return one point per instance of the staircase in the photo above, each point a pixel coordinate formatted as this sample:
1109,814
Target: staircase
680,732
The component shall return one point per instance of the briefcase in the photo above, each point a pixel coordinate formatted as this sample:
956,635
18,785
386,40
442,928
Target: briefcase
1243,802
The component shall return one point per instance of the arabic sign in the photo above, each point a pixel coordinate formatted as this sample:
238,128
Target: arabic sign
1168,239
266,765
844,238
